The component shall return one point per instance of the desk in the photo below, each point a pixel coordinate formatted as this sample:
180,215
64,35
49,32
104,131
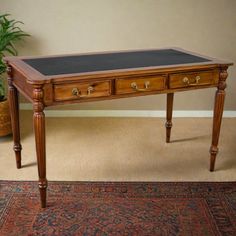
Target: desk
66,79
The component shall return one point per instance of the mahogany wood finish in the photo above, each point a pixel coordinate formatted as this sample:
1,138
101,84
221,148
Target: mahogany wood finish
14,110
194,79
140,84
217,118
39,129
82,90
169,110
56,89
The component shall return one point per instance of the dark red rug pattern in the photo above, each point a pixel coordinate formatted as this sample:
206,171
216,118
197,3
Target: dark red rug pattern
105,208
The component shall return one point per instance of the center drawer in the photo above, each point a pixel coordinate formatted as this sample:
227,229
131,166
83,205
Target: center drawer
63,92
140,84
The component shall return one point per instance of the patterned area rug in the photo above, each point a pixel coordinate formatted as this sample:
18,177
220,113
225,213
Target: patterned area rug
105,208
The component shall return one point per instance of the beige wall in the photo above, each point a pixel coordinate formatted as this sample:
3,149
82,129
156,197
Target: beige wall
69,26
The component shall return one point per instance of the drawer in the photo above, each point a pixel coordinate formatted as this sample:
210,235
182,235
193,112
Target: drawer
140,84
193,79
63,92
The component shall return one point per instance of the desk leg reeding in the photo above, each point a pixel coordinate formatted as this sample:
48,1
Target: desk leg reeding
39,129
217,117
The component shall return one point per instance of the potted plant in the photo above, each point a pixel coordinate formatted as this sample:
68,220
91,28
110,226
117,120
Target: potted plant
10,33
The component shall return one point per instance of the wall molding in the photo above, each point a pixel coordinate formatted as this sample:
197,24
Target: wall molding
127,113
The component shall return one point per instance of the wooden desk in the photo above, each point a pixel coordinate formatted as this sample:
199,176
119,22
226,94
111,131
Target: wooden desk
66,79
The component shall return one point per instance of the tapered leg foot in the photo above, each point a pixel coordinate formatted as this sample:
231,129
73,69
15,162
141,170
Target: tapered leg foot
17,149
43,193
168,131
169,110
18,160
213,152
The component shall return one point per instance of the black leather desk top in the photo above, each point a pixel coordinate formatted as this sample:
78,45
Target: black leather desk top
111,61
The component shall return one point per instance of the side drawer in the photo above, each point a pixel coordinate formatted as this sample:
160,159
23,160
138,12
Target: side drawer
63,92
193,79
140,84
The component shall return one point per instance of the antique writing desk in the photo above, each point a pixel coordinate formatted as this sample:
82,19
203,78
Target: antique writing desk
49,81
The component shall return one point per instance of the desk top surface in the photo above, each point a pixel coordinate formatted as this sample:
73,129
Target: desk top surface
111,61
106,62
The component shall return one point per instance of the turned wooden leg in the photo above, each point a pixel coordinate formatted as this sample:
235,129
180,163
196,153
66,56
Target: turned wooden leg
14,110
169,109
39,128
217,118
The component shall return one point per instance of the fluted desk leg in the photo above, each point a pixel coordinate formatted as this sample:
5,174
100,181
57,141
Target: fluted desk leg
39,128
217,118
14,110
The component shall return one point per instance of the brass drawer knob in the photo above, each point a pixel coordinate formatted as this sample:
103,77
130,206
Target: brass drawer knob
135,86
187,81
90,90
76,92
197,78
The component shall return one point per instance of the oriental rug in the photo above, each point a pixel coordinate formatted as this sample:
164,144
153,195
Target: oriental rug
119,208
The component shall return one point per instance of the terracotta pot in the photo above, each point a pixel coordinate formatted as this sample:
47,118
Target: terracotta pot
5,119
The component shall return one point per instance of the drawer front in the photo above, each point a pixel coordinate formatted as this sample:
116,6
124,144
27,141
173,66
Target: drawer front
74,91
140,84
193,79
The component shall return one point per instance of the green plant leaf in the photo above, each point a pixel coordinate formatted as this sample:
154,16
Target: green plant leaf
11,51
10,32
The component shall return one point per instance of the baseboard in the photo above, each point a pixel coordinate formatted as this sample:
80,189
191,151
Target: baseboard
126,113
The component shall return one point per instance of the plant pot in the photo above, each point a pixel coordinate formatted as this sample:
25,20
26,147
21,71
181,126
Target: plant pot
5,119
